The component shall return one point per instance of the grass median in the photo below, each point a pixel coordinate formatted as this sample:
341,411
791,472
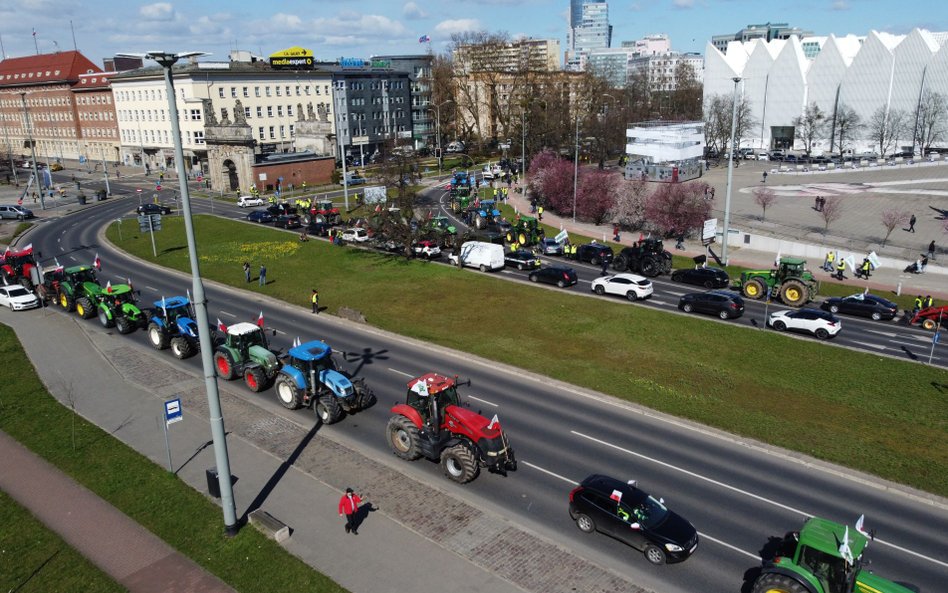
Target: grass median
868,412
164,505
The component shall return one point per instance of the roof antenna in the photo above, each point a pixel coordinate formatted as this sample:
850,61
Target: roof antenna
73,29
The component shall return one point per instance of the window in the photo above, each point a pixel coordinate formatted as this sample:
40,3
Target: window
306,90
282,132
267,91
260,131
220,91
195,114
259,111
256,91
272,133
292,131
233,92
289,111
247,112
287,90
278,92
279,111
297,90
199,137
246,92
269,110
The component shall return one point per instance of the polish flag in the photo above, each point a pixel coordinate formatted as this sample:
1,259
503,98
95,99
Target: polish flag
97,263
616,496
260,320
493,421
221,326
108,287
859,526
129,282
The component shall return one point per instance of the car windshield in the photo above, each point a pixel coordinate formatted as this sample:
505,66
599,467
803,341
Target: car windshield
647,511
17,292
84,276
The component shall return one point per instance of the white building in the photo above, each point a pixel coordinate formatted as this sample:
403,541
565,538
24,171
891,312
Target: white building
660,69
865,74
660,151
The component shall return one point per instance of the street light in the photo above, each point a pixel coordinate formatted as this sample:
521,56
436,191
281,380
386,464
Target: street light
438,132
730,171
523,140
29,131
576,165
167,60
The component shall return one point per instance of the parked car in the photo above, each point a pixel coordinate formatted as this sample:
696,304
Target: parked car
17,297
522,259
288,221
355,235
549,246
623,511
706,277
247,201
261,216
281,208
561,276
355,179
482,255
151,208
630,286
723,303
593,253
320,229
864,305
426,249
15,211
821,324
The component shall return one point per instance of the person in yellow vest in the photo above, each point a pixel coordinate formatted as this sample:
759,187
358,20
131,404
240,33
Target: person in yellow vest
315,301
840,268
929,302
917,304
828,264
540,213
572,251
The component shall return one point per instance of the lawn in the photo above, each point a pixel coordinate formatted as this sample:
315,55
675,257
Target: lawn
867,412
175,512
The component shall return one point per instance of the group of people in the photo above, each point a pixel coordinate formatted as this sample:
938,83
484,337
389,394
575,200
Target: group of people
261,276
921,303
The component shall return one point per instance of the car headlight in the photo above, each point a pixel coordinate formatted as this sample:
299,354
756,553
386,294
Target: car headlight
673,548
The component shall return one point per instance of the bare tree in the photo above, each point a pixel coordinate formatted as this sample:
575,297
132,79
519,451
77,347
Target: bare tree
885,128
892,218
764,197
685,100
831,212
718,112
930,120
808,128
846,125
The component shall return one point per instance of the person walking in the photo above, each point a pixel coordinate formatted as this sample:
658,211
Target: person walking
840,269
540,216
263,275
828,262
605,265
681,241
315,299
911,228
349,506
931,250
865,268
247,271
922,264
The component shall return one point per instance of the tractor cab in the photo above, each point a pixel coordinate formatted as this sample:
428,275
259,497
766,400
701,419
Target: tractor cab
432,392
243,336
791,267
173,308
81,274
119,294
311,357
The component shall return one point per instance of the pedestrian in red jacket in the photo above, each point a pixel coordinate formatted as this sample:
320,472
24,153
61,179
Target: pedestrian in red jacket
349,506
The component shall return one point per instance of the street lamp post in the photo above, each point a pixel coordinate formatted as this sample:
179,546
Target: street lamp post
576,165
438,131
730,172
167,60
105,171
29,131
6,138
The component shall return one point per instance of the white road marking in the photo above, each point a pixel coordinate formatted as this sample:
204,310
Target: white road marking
744,492
882,333
400,372
227,313
151,288
660,302
870,345
548,472
483,401
72,258
729,546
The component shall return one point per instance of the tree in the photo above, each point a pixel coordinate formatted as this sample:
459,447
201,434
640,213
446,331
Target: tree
629,208
685,100
764,197
885,128
892,218
831,212
808,128
718,112
845,126
678,207
554,185
596,194
930,120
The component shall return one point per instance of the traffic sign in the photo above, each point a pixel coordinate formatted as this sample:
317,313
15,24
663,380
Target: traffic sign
173,411
710,229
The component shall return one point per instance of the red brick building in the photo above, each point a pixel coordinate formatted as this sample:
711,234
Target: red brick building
98,126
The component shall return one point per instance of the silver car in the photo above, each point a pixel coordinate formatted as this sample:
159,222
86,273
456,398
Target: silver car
551,247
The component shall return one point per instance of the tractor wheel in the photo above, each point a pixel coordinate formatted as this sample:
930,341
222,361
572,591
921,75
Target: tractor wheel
585,523
403,437
522,237
290,396
755,288
124,325
224,365
929,324
600,290
84,308
157,336
793,293
182,347
621,264
459,464
328,409
104,318
66,302
510,237
255,379
772,582
654,554
649,267
665,265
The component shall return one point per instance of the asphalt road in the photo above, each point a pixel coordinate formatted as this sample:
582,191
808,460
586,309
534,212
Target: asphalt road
737,494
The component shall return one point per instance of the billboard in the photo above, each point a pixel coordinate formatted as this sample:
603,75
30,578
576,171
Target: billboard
294,58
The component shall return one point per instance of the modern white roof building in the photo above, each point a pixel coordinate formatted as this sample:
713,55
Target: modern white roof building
865,74
661,151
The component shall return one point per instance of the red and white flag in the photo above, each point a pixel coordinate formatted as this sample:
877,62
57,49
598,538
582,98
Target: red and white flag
260,320
493,421
221,326
97,263
108,287
616,496
129,282
28,248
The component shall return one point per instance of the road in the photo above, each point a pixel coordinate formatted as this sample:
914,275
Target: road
737,494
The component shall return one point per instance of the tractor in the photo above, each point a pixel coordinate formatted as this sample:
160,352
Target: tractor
323,212
484,214
433,424
648,257
17,267
172,323
116,307
47,283
930,318
823,557
525,231
791,281
440,229
309,378
79,290
244,352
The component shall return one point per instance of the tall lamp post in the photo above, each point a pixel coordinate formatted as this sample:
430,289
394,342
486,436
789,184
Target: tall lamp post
167,60
438,130
105,171
576,164
730,172
29,131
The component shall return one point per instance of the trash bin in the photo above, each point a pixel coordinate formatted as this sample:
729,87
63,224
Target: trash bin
81,199
100,195
213,485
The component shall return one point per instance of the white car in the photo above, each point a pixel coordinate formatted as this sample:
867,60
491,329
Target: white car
630,286
821,324
355,235
247,201
17,298
427,249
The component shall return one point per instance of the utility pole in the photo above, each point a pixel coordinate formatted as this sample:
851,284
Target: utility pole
730,172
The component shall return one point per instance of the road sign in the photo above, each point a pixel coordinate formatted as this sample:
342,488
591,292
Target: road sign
360,140
710,229
82,160
149,222
561,236
173,411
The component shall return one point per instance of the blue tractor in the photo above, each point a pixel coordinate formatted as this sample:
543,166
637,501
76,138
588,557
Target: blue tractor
484,214
172,323
309,378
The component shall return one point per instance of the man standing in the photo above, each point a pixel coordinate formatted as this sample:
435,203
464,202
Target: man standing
917,305
315,299
928,302
263,275
911,228
931,250
349,506
840,268
247,271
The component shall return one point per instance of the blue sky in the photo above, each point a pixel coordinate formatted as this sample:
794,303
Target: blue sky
337,28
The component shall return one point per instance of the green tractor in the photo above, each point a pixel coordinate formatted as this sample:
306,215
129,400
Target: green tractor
79,291
245,352
525,231
790,281
823,557
116,307
440,229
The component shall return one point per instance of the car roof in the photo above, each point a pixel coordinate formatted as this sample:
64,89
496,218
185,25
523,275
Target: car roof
241,328
628,276
560,268
607,484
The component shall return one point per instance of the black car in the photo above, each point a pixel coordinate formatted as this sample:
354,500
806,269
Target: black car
706,277
864,305
558,275
288,221
260,216
522,259
622,511
723,303
594,253
153,209
320,229
281,209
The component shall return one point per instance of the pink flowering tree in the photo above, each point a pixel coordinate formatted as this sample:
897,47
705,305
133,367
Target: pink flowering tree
629,208
596,194
678,207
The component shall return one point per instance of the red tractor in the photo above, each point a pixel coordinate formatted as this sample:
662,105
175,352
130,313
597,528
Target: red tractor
17,267
433,424
931,317
325,212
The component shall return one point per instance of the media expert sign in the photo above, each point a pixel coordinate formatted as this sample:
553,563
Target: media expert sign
294,58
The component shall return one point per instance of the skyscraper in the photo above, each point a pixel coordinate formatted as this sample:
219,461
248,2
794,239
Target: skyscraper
592,32
576,11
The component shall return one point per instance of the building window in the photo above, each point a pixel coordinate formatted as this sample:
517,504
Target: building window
297,90
233,92
282,132
287,90
220,91
246,92
272,133
278,92
266,91
269,110
247,112
259,111
289,111
279,111
195,115
306,90
260,133
199,137
292,131
256,91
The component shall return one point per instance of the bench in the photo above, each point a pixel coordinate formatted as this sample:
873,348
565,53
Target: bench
270,525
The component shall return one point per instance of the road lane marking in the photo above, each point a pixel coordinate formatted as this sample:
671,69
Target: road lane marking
548,472
151,288
660,302
483,401
227,313
871,345
400,372
882,333
729,546
744,492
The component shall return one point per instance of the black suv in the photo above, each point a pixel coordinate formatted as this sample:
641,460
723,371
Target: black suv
706,277
287,221
723,303
620,510
521,259
593,253
153,209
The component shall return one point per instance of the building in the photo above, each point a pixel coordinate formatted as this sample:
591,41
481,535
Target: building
98,126
612,64
594,32
521,55
650,56
664,152
660,69
576,12
418,68
650,45
879,73
765,32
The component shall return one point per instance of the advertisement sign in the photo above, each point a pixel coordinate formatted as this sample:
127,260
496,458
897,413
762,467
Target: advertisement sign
352,62
294,58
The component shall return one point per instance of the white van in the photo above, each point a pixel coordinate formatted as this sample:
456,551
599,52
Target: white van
477,254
